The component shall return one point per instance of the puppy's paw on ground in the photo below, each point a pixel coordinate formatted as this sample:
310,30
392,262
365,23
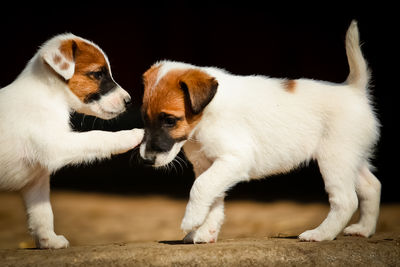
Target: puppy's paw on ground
201,236
314,236
52,241
358,230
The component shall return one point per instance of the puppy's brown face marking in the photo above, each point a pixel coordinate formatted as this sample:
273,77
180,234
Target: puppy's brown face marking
91,78
289,85
167,109
165,117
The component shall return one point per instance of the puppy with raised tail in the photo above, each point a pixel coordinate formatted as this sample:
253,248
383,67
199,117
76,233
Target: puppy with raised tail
67,73
236,128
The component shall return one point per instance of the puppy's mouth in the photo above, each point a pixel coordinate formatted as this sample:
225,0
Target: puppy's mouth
159,159
111,114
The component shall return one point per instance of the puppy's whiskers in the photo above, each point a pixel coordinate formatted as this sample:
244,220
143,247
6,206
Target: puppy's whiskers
193,140
94,121
180,165
181,162
135,156
83,119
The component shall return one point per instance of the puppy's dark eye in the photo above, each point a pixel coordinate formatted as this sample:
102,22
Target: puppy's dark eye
96,74
170,121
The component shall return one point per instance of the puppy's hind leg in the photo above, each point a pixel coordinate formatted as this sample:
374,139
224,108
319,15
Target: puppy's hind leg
339,174
40,215
368,192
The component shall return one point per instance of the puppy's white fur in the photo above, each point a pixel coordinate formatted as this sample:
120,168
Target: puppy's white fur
36,138
254,128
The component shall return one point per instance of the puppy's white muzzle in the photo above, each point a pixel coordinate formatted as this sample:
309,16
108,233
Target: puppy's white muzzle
109,105
159,159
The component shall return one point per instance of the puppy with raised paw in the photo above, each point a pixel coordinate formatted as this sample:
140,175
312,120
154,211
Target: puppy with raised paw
68,73
236,128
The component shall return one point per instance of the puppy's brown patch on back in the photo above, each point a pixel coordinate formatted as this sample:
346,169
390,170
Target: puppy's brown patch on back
87,59
289,85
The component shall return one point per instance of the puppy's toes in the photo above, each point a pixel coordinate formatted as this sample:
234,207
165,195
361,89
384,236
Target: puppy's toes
358,230
52,241
194,217
314,235
189,238
201,236
187,225
138,136
191,223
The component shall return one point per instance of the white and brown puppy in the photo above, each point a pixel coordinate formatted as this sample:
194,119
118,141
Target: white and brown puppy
236,128
67,73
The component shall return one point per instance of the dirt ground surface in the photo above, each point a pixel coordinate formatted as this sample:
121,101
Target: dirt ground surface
113,230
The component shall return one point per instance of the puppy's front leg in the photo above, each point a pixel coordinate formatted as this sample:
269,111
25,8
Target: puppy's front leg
209,230
40,215
75,148
212,184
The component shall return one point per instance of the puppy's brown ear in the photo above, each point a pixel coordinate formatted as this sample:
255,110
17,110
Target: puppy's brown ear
60,57
199,87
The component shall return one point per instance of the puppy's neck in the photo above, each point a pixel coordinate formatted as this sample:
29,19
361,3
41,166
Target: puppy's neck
37,69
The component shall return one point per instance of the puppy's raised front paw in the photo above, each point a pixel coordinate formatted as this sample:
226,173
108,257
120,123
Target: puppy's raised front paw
137,136
128,139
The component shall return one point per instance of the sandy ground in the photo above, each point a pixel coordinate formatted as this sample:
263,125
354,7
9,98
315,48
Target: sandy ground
92,221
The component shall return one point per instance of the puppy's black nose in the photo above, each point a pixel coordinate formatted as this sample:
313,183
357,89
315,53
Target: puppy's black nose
149,161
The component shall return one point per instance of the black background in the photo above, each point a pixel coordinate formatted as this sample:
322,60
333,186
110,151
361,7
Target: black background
255,38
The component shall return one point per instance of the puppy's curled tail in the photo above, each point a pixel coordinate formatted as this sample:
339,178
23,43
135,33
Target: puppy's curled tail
359,73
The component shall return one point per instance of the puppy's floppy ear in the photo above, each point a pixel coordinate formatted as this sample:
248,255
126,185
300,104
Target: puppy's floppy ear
199,87
60,57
